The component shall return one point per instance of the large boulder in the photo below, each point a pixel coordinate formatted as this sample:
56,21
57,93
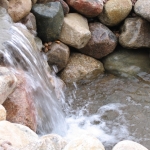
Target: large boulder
18,135
81,68
2,113
8,82
85,142
47,142
20,106
128,145
135,33
141,8
103,41
75,31
126,62
18,9
88,8
49,19
58,55
115,11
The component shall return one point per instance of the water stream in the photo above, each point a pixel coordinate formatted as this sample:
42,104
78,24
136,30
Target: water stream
110,108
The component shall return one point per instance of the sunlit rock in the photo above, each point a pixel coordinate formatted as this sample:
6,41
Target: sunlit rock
75,31
81,68
87,8
128,145
18,9
141,8
135,33
126,62
58,55
8,83
103,41
115,11
85,142
47,142
2,113
49,20
20,106
18,135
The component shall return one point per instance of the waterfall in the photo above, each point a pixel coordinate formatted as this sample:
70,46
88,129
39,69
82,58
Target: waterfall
18,53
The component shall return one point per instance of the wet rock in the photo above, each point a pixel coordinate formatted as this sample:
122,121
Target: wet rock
63,3
58,55
103,41
30,22
20,106
2,113
17,137
18,9
88,8
49,19
127,62
85,142
141,8
129,145
115,11
75,31
135,33
8,83
81,68
47,142
4,3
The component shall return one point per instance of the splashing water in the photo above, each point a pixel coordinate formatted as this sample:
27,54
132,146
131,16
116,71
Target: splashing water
18,53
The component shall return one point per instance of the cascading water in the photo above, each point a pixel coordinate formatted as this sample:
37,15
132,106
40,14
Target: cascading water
18,53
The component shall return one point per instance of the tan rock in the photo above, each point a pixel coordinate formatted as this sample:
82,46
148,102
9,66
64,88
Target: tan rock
17,137
115,11
129,145
4,3
18,9
2,113
47,142
75,31
8,82
86,142
81,68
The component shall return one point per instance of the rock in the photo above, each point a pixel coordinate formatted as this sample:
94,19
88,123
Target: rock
141,8
4,4
86,142
18,9
8,83
30,22
133,2
38,43
58,55
115,11
135,33
75,31
34,1
49,19
14,135
81,68
129,145
20,106
127,62
64,6
2,113
88,8
47,142
103,41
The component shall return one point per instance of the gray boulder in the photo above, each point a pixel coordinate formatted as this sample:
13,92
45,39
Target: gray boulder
49,19
135,33
103,41
58,55
141,8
